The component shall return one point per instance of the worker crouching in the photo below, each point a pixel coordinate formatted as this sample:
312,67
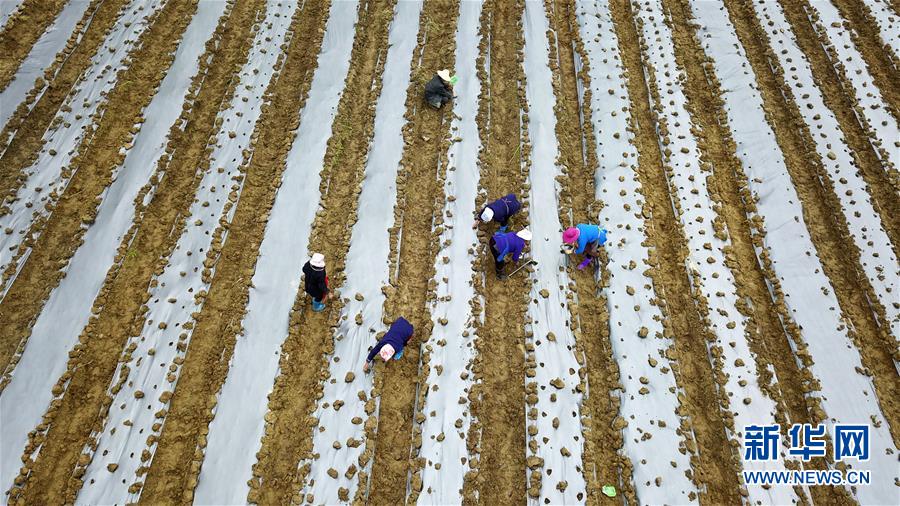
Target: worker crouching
391,344
500,211
510,245
439,90
584,239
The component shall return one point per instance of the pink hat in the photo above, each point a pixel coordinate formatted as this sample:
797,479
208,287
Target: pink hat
570,235
386,352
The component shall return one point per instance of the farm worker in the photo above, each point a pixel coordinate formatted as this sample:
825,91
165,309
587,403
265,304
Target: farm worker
508,243
584,239
391,345
316,281
500,210
439,91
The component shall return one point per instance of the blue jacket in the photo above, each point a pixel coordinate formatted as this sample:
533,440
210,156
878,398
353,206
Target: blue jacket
588,234
509,243
504,207
397,336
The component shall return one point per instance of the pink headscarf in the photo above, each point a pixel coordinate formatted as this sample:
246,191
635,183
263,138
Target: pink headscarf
386,352
570,235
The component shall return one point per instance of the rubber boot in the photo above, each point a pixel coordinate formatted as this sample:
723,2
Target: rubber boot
317,305
399,355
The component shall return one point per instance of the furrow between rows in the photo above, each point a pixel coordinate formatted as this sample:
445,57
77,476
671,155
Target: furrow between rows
442,458
288,431
497,398
826,213
676,276
21,31
769,147
40,176
603,461
41,56
229,471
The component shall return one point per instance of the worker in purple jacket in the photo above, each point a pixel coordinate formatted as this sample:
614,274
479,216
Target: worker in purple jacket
508,244
500,210
392,343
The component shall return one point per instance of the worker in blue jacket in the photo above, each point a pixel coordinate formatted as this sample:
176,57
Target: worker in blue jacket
500,210
584,239
392,343
508,244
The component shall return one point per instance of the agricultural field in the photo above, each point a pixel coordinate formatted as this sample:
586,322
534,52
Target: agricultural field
167,167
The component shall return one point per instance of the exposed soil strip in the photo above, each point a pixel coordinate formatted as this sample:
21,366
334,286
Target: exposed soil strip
878,259
875,106
94,167
43,54
36,81
638,360
883,64
122,297
338,446
764,332
275,99
235,432
822,213
21,31
498,397
414,244
288,430
30,128
70,135
554,358
442,460
839,98
45,360
603,462
846,394
712,458
7,9
888,23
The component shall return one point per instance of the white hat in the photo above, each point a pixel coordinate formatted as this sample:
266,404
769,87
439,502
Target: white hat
386,352
524,234
317,260
444,74
487,214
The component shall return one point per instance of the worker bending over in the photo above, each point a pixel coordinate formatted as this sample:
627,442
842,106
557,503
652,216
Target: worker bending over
392,343
584,239
500,210
439,90
505,244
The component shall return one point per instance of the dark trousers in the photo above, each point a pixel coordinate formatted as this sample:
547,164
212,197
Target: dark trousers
498,263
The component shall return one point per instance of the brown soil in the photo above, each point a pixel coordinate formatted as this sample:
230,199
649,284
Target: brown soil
93,168
604,461
839,96
20,33
119,306
822,214
497,398
50,72
289,426
882,62
178,459
769,339
713,461
420,185
24,147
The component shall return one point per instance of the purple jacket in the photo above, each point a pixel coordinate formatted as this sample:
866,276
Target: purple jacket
397,336
509,243
504,207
